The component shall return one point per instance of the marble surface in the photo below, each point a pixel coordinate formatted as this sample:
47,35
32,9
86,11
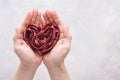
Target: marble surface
94,26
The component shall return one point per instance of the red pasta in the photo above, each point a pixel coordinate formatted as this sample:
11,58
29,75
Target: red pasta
41,40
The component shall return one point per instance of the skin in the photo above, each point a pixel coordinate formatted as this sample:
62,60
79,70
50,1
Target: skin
54,60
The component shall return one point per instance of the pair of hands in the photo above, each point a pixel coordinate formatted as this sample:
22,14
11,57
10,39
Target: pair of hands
56,56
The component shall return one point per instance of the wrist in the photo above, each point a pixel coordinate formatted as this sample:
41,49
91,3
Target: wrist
33,63
28,67
55,66
58,72
25,73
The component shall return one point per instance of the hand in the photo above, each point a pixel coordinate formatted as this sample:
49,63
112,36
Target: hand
54,60
59,52
27,56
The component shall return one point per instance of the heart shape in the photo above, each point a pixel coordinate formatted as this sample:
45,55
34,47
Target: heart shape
41,40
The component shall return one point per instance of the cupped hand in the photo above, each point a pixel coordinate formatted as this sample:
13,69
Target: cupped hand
57,55
27,56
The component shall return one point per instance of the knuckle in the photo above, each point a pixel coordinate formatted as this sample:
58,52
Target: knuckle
16,49
13,38
67,47
71,37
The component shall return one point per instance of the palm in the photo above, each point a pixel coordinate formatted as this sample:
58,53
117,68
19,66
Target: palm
59,52
24,52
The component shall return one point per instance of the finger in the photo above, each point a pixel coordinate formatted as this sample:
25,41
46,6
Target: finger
41,20
66,32
45,17
27,20
43,23
67,37
49,16
34,16
59,42
61,35
37,21
18,34
67,42
56,19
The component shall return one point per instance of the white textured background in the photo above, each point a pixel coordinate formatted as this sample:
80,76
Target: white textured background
94,25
